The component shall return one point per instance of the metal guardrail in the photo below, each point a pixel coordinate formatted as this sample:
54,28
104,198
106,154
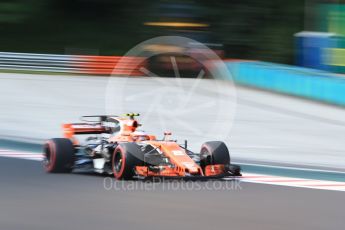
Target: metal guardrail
77,64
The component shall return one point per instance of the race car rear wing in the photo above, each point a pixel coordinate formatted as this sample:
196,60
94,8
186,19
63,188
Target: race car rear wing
72,129
96,124
90,125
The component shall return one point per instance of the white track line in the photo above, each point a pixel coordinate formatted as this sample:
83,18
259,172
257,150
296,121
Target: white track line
291,168
246,177
21,155
293,182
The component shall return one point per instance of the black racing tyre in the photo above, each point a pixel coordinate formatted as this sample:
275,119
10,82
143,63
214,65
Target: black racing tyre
58,155
214,152
125,158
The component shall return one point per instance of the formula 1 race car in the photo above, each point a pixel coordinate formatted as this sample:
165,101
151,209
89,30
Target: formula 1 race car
114,145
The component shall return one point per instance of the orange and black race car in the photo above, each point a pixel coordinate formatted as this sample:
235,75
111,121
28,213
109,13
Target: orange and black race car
114,145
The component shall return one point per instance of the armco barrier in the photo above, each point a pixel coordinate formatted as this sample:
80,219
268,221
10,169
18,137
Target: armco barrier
82,64
302,82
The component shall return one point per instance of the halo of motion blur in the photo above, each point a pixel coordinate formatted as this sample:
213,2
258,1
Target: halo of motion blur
192,92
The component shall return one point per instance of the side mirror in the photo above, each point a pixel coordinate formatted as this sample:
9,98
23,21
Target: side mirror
166,135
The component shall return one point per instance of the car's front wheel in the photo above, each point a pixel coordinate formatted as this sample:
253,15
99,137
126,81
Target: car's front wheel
214,153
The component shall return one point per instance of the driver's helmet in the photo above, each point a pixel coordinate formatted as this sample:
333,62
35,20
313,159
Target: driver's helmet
140,136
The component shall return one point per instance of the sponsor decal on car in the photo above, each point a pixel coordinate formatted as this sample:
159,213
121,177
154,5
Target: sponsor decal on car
178,152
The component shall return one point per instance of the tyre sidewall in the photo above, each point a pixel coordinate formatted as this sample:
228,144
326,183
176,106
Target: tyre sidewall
61,155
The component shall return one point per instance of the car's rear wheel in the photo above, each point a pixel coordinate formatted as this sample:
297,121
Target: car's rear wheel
213,153
58,155
125,158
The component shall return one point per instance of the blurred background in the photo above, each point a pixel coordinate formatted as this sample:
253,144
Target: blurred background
246,29
241,29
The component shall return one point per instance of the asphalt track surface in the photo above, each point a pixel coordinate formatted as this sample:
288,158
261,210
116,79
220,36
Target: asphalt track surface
33,200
